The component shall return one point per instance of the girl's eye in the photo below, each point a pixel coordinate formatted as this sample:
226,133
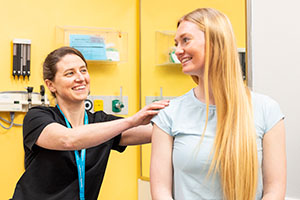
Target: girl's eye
185,39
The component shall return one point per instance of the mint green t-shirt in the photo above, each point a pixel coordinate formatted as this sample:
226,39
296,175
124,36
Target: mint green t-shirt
184,119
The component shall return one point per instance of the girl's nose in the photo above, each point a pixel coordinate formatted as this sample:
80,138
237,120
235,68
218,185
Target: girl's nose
178,51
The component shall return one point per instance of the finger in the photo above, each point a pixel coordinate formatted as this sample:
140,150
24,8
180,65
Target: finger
165,102
156,107
151,112
162,103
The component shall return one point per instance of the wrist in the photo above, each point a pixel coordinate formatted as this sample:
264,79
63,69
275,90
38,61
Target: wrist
130,122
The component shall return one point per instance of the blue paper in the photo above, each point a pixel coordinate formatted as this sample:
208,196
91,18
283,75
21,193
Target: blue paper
91,47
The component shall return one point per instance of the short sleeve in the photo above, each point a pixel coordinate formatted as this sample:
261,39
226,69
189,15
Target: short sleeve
34,122
272,114
163,121
116,143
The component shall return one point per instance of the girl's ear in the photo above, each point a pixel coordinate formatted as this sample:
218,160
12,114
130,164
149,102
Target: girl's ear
50,85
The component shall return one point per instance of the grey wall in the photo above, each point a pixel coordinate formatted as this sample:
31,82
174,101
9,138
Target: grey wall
274,40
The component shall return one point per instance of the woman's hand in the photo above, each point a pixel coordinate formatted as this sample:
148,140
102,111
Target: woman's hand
144,116
141,131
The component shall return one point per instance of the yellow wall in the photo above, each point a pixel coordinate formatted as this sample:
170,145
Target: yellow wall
36,20
157,15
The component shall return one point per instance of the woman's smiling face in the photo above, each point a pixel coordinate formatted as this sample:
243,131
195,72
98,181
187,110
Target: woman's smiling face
72,81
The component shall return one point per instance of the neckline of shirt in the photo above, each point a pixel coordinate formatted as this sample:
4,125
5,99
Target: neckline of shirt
196,100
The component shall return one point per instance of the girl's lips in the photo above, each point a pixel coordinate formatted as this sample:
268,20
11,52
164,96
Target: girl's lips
185,60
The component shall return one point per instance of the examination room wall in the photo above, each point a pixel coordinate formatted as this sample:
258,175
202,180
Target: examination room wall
274,40
37,20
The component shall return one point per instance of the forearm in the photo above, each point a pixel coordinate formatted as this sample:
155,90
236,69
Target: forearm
160,193
94,134
275,191
273,196
137,135
58,137
160,180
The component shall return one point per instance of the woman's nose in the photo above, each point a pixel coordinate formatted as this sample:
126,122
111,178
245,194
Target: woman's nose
79,77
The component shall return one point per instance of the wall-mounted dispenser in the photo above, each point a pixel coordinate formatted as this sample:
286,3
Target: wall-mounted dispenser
21,58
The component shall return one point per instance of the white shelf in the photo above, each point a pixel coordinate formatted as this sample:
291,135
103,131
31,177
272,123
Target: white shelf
165,48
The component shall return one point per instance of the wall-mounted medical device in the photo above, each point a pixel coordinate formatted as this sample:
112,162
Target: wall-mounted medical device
109,104
21,101
151,99
21,58
117,103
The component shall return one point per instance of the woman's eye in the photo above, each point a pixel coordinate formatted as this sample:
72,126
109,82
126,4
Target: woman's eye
69,73
83,70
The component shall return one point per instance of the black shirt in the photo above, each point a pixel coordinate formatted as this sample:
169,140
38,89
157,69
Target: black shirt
52,174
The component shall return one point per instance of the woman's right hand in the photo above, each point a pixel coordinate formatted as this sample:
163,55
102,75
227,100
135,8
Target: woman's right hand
145,115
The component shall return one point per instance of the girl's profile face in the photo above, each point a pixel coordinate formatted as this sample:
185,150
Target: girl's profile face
190,48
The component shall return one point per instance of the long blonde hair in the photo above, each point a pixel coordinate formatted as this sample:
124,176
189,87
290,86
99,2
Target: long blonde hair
235,148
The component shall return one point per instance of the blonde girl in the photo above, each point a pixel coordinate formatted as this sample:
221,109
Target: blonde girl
219,140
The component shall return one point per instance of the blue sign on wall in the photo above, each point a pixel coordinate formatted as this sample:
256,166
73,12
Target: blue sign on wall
92,47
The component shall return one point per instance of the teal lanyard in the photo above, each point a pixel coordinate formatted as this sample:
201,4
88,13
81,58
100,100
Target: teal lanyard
80,161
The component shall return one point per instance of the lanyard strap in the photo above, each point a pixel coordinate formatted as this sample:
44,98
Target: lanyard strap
80,161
